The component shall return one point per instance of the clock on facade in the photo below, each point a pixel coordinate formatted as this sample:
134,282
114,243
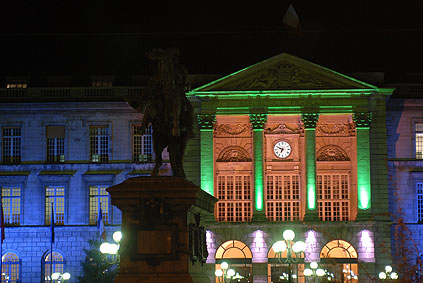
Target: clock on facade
282,149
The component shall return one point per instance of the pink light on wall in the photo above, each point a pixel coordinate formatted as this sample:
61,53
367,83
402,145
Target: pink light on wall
312,252
211,246
259,246
366,249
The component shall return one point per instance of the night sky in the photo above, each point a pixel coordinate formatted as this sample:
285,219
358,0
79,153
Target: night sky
40,38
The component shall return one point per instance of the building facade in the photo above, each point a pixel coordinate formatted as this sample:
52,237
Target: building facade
283,144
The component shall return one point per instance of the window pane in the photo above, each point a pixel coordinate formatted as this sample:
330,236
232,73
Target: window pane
419,140
142,144
55,195
99,195
11,145
57,262
11,267
99,144
11,200
332,188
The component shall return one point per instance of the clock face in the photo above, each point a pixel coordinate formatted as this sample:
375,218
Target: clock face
282,149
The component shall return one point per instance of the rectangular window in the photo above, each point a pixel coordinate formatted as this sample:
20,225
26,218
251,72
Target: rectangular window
419,187
55,195
419,140
99,144
333,197
11,200
99,196
283,197
234,194
55,144
11,145
142,143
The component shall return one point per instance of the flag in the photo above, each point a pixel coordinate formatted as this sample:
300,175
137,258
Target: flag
3,235
292,21
52,223
100,224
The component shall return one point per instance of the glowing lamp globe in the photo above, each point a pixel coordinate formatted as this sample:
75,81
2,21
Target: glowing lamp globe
299,247
313,265
231,272
388,268
218,273
224,265
104,248
117,236
66,276
382,275
55,276
308,272
113,249
394,275
320,272
288,235
279,246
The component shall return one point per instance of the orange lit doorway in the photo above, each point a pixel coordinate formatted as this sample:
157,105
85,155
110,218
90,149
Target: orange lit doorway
238,256
279,272
340,258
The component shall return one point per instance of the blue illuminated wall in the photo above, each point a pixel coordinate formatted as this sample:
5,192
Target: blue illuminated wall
31,240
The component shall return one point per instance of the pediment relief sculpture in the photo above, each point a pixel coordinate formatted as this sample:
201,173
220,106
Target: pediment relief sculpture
335,130
332,153
234,154
283,129
225,130
284,76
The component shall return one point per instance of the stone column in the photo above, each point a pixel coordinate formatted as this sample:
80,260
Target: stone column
362,122
310,121
257,122
206,123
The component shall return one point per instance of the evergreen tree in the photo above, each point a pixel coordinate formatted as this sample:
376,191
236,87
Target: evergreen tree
95,267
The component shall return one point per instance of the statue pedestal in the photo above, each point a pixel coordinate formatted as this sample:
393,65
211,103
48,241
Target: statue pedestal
164,239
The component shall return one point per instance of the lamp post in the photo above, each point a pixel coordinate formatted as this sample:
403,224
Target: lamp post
224,274
60,277
110,250
293,251
315,274
388,274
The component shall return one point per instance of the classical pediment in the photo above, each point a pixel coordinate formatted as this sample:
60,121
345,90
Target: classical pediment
284,72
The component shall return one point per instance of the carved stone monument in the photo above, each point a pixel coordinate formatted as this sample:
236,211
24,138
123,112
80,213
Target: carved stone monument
164,239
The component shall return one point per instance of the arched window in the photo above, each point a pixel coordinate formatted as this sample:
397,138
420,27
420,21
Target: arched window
340,258
52,265
11,268
239,257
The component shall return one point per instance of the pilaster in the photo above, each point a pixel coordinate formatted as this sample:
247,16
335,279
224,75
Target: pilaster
206,124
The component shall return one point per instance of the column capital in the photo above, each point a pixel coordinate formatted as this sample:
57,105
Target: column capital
362,119
258,120
310,119
206,121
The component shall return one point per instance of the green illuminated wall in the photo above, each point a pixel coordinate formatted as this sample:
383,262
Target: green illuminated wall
362,121
257,122
310,140
206,123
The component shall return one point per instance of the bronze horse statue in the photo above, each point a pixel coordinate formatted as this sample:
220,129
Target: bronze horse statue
165,106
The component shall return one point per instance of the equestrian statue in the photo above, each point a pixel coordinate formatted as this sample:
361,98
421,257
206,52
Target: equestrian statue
166,107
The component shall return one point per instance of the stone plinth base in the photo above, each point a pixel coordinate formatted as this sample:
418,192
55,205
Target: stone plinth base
164,239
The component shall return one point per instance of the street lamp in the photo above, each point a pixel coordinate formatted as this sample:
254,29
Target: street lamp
314,274
293,251
388,274
59,277
224,274
110,250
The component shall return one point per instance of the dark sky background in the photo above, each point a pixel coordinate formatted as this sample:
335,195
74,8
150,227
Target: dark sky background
39,38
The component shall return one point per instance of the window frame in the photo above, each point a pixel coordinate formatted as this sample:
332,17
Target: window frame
11,197
47,206
142,156
109,211
18,263
44,262
98,147
12,147
416,142
327,199
57,158
419,202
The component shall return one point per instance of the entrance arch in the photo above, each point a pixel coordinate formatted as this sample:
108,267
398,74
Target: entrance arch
340,258
279,272
239,257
